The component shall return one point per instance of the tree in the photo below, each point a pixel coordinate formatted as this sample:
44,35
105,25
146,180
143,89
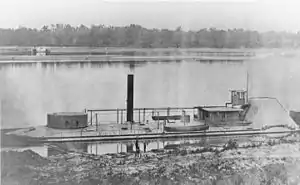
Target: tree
45,28
137,36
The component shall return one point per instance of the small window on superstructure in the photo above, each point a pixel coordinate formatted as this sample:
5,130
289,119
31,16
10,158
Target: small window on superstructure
206,114
243,95
223,115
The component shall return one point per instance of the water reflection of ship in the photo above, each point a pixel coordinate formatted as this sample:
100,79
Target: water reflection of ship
145,146
185,142
128,147
104,148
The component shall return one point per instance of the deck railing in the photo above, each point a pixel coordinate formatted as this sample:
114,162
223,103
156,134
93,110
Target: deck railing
104,132
141,115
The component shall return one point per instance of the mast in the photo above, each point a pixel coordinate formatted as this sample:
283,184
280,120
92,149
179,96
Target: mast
247,87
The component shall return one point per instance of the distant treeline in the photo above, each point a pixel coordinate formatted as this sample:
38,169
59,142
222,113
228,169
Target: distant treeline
137,36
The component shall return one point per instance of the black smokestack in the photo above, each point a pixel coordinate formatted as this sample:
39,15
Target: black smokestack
130,98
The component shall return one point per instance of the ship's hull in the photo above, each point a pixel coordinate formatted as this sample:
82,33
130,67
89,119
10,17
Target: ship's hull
229,123
192,128
173,117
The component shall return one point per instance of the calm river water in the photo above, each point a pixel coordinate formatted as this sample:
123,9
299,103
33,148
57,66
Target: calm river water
98,148
29,92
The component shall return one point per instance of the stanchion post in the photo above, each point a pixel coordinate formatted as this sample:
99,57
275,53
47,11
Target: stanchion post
121,116
91,118
157,120
139,115
117,116
96,122
144,115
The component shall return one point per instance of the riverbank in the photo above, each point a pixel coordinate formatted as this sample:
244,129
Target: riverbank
113,58
86,54
127,51
271,161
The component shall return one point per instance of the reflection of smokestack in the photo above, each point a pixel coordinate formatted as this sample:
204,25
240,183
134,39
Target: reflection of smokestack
83,147
130,98
129,148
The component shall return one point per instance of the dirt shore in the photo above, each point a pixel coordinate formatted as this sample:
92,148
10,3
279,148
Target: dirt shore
272,161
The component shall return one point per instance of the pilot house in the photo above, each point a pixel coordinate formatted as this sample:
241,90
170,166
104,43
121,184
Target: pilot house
231,113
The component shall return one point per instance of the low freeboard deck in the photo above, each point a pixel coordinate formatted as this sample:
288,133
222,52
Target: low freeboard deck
167,135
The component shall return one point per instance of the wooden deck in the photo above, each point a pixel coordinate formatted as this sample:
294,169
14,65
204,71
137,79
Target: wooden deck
168,135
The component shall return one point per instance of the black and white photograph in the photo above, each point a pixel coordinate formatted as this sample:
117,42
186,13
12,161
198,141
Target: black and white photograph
150,92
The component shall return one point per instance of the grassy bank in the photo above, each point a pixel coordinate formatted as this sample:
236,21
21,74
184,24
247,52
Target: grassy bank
268,162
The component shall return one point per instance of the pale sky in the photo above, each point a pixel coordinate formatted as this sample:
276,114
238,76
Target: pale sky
261,15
